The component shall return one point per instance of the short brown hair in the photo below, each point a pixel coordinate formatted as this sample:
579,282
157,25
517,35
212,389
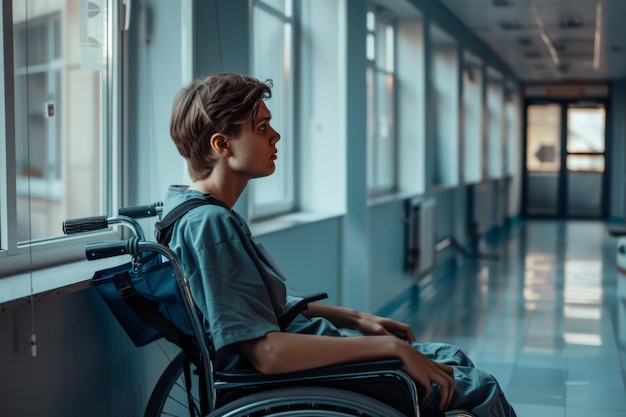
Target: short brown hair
219,103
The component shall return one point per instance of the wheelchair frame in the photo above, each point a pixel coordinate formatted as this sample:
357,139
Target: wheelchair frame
374,388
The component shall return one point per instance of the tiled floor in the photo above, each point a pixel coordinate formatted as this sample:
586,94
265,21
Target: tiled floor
543,318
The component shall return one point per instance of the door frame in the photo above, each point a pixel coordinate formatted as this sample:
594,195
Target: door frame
562,187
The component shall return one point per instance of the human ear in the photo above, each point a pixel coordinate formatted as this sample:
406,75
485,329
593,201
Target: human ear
220,145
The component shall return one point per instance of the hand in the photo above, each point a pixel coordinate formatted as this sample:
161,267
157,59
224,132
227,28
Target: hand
372,325
425,372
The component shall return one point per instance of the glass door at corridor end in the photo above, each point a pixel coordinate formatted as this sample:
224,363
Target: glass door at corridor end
565,160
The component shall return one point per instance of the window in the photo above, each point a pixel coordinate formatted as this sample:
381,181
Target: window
586,138
513,148
273,59
495,114
543,138
411,109
444,102
380,76
57,130
472,112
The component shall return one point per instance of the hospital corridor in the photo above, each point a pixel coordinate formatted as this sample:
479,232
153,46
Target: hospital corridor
547,316
234,208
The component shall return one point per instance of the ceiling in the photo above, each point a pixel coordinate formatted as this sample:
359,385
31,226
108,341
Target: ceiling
551,40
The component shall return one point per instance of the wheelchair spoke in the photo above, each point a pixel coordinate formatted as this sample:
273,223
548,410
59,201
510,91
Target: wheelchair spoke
169,397
306,401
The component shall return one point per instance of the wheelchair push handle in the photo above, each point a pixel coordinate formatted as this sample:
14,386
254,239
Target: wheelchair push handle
103,250
139,212
85,224
97,223
135,246
126,217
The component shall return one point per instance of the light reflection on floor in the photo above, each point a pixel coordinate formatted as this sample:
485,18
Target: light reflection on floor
548,318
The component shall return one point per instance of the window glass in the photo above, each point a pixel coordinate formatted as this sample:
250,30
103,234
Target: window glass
60,56
512,129
593,163
585,129
495,114
58,126
371,21
380,77
472,118
273,59
543,148
444,102
411,108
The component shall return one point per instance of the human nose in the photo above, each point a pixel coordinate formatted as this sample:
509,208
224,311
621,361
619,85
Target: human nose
276,136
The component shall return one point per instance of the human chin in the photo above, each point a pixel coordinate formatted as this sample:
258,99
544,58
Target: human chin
265,172
271,170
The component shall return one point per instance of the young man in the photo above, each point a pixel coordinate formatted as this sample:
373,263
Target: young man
221,126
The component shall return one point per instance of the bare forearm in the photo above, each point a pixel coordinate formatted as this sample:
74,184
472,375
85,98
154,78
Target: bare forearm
366,323
280,352
339,316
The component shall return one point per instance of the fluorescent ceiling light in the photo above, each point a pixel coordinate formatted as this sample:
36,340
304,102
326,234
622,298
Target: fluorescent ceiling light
544,37
597,37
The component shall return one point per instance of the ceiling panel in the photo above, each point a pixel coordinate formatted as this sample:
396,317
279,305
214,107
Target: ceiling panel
551,39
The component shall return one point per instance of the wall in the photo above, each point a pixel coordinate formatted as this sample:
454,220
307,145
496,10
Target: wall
85,363
387,277
155,74
309,254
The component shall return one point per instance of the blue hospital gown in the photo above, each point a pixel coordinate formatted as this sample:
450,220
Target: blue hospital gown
241,291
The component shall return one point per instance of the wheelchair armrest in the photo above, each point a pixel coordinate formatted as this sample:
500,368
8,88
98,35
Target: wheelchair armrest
382,380
616,230
252,375
300,306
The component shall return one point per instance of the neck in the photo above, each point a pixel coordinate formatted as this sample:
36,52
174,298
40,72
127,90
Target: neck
226,191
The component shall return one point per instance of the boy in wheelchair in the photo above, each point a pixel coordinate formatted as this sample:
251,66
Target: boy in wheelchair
221,126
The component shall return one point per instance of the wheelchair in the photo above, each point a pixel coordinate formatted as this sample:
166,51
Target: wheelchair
189,386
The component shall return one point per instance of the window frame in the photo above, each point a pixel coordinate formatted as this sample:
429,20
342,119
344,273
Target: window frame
472,117
387,20
22,257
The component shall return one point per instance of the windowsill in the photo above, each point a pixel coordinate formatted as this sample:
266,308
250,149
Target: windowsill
16,290
391,197
440,188
287,221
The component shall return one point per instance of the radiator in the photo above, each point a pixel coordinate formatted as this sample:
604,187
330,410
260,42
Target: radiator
420,236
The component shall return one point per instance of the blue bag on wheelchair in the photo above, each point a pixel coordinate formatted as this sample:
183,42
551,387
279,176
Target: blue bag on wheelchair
145,299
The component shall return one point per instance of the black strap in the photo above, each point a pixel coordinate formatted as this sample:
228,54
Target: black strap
148,312
163,234
163,228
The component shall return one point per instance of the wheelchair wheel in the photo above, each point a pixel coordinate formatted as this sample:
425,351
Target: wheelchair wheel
169,396
306,402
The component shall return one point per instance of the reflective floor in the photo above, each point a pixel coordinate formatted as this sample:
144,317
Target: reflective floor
547,318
